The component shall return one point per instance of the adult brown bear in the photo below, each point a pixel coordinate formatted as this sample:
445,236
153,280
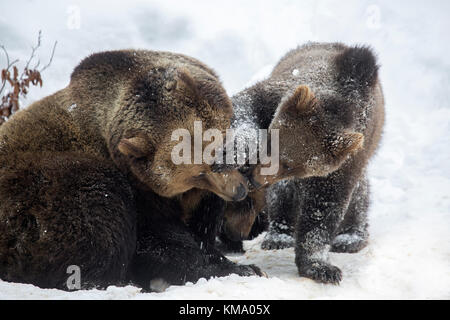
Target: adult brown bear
86,176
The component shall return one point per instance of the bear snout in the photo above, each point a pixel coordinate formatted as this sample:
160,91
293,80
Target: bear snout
241,193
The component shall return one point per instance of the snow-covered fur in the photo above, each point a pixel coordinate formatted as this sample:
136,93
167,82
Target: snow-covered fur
330,210
244,219
327,102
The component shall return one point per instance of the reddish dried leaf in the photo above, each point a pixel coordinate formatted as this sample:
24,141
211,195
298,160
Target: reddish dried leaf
16,89
16,73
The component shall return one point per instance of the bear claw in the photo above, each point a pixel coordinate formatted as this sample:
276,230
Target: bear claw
348,243
281,241
322,272
250,270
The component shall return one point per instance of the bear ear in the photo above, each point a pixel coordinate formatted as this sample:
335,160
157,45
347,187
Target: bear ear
346,143
136,147
186,85
302,101
203,93
357,69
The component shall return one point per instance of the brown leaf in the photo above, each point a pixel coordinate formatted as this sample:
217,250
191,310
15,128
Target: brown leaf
16,89
8,77
16,73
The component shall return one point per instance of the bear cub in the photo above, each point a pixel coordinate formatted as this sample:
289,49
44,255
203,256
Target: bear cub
327,103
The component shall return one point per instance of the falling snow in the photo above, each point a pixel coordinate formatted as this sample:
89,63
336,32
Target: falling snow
408,255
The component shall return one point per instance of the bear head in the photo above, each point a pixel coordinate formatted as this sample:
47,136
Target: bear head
158,102
311,142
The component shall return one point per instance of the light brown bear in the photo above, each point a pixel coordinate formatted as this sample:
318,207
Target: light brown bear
86,176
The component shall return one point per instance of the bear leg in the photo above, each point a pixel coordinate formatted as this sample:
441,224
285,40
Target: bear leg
282,208
324,202
353,232
205,222
169,254
60,210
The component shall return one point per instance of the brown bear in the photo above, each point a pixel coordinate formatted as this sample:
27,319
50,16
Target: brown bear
86,176
327,103
243,220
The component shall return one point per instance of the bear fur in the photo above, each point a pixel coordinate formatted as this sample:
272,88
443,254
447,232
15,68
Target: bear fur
327,103
243,220
86,176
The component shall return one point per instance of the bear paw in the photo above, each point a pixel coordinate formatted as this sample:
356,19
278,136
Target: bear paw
229,246
348,243
321,272
274,241
249,270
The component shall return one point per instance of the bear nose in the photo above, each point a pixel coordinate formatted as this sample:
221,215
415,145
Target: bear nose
241,193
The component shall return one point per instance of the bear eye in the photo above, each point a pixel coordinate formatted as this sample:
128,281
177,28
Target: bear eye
140,160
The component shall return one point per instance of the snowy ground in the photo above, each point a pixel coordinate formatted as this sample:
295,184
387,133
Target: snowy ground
409,253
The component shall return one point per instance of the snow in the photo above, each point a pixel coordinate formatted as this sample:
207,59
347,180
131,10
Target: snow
72,107
408,256
347,239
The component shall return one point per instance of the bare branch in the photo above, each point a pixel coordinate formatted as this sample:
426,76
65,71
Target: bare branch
33,52
6,54
51,57
8,65
37,64
30,76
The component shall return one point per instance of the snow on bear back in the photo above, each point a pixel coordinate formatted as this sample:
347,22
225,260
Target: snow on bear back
244,123
317,73
72,107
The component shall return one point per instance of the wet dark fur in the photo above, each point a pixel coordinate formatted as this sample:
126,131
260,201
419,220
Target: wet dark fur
175,251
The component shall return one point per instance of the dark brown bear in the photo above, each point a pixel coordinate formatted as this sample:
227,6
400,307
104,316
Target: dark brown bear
86,176
327,103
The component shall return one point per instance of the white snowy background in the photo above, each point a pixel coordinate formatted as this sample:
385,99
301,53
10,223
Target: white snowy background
409,252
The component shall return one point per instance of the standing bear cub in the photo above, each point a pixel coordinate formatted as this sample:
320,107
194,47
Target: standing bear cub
338,110
327,103
86,176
